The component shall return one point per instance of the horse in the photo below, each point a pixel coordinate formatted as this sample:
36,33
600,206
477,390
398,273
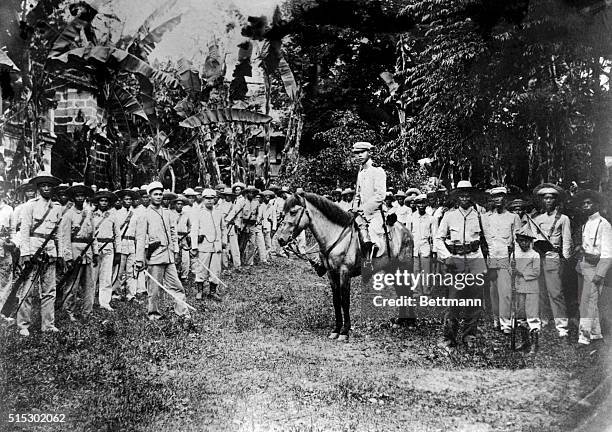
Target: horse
340,249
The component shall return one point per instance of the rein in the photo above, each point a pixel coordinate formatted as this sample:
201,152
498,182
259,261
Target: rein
295,233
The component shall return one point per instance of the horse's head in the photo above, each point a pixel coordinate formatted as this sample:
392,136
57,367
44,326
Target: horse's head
295,221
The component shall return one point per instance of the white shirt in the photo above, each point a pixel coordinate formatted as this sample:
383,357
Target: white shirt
597,240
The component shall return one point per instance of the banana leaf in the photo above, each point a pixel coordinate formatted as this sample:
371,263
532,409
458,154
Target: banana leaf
225,115
288,79
147,43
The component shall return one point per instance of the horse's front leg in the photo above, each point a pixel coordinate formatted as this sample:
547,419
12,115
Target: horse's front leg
333,279
344,286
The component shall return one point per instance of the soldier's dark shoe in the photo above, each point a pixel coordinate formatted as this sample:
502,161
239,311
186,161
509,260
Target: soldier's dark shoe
320,269
469,340
409,323
525,340
534,335
214,296
447,343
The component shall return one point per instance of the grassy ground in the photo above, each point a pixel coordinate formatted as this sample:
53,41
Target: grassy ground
261,361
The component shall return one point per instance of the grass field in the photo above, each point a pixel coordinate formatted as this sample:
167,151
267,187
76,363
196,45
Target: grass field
261,360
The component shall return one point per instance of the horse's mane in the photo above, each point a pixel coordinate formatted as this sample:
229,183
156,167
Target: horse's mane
331,210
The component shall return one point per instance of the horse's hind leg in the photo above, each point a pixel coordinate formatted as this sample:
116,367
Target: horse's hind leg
333,278
344,287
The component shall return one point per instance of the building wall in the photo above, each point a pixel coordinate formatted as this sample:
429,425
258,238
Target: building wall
74,108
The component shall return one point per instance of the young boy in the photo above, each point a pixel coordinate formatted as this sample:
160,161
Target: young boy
527,272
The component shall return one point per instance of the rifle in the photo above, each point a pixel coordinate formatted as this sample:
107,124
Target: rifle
77,262
513,305
13,302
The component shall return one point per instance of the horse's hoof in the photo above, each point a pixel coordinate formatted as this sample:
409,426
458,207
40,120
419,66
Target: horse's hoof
333,335
343,338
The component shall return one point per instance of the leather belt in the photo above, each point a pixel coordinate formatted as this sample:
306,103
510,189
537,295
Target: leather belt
129,238
105,239
80,239
38,235
183,232
463,249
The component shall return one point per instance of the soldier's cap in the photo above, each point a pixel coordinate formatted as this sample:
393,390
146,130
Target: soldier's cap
220,187
525,232
144,187
189,192
548,188
62,187
400,193
463,186
285,189
25,185
45,177
362,146
80,189
169,195
420,198
274,187
414,191
348,191
498,190
143,192
410,198
268,192
251,188
209,193
135,189
182,198
238,184
337,190
581,195
105,193
154,186
227,191
134,194
198,189
517,203
389,194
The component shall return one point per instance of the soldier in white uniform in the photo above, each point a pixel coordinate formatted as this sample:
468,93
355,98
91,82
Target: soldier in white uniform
500,227
457,243
554,228
127,218
106,246
225,207
527,271
183,228
40,217
207,244
268,220
157,247
595,254
369,196
423,228
77,231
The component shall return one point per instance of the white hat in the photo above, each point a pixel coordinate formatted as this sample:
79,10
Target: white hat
498,190
209,193
421,197
360,146
154,186
189,192
464,184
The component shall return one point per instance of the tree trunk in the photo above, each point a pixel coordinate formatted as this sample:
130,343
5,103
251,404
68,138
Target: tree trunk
290,153
211,159
266,148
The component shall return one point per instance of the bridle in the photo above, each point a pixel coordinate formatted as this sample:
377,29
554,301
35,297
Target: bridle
296,232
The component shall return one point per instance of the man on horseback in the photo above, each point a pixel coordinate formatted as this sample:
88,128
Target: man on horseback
369,196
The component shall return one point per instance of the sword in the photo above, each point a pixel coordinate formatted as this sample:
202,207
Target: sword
215,276
168,291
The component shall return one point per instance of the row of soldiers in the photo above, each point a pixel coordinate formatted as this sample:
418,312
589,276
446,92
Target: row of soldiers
523,249
76,241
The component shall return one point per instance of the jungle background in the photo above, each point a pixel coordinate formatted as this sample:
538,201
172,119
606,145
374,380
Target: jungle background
498,92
